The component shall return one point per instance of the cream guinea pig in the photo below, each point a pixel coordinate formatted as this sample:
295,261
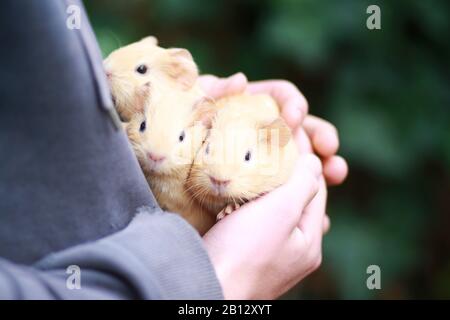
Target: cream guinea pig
134,69
165,138
165,117
249,151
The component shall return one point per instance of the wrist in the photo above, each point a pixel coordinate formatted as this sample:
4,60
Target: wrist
235,285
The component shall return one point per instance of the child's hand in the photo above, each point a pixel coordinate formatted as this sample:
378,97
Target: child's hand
271,243
219,87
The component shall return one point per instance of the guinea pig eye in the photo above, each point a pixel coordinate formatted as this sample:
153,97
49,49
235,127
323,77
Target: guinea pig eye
181,137
248,156
143,126
142,69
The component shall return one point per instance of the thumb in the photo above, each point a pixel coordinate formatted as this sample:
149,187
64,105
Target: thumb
220,87
290,199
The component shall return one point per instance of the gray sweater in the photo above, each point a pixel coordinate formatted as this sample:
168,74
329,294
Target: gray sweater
72,194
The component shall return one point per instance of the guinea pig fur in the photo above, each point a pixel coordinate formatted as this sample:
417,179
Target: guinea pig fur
248,152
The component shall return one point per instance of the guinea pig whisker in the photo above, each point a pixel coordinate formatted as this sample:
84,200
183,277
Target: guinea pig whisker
199,191
203,196
194,192
190,203
190,188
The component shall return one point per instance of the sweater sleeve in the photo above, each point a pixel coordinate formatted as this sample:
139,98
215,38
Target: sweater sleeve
157,256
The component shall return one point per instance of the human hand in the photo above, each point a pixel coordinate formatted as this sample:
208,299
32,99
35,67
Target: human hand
269,244
217,87
293,249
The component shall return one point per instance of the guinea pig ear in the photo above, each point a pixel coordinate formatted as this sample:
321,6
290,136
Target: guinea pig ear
141,97
277,129
182,68
204,111
150,40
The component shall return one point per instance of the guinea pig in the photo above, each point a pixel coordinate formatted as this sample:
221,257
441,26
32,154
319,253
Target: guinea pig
249,151
156,95
165,138
134,69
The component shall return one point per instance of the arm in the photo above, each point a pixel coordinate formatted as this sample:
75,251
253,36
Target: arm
158,256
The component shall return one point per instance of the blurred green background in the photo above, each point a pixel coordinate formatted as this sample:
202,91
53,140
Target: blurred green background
387,91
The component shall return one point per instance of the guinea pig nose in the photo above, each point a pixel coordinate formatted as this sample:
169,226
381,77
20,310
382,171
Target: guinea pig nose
109,74
219,182
154,157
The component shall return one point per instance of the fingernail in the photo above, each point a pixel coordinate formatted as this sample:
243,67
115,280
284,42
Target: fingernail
239,76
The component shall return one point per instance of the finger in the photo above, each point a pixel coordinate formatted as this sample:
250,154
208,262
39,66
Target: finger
311,222
293,104
335,170
207,81
323,135
289,200
235,84
326,224
302,141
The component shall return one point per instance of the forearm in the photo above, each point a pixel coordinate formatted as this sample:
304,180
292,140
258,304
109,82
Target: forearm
158,256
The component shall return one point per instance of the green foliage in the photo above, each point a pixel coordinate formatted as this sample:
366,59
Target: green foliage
387,91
